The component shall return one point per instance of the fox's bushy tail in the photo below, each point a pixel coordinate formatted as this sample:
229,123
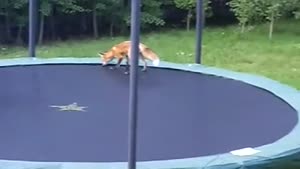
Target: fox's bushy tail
150,55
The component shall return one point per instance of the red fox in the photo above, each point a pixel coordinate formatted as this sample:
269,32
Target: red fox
122,50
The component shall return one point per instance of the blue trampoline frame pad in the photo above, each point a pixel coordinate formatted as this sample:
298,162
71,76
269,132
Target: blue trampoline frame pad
285,150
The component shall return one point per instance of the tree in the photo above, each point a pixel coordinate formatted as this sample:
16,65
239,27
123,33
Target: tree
45,10
273,10
21,17
244,10
297,14
151,14
270,10
98,6
15,15
69,6
5,10
189,6
118,11
295,8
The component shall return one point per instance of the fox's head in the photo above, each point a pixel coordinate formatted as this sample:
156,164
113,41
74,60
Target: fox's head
106,57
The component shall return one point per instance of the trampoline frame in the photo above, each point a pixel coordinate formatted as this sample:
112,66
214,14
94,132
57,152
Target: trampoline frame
287,148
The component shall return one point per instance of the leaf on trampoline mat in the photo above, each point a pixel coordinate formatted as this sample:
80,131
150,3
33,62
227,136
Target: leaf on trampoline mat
244,152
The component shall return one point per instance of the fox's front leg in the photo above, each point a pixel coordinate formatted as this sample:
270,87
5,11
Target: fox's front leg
119,62
127,65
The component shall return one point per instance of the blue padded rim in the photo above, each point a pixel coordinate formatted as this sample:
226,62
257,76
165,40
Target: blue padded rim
285,147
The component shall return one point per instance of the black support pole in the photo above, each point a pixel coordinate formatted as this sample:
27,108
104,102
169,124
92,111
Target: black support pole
199,28
133,82
32,27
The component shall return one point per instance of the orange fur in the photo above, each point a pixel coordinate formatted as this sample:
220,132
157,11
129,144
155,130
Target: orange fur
122,50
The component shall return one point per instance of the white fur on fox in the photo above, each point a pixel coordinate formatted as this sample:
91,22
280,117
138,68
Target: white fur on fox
156,62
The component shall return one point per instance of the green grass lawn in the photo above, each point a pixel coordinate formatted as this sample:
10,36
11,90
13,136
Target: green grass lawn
222,47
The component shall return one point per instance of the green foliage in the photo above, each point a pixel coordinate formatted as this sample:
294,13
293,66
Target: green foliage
4,4
244,10
151,14
295,8
46,7
60,19
297,14
185,4
100,6
69,6
248,11
271,9
18,4
19,9
151,19
191,5
207,9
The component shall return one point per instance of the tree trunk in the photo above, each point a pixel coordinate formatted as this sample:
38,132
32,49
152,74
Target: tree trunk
83,24
41,34
243,28
7,26
271,26
188,20
203,18
95,23
52,25
111,29
19,40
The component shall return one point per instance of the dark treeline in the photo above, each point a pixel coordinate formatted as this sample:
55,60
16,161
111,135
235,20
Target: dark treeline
69,19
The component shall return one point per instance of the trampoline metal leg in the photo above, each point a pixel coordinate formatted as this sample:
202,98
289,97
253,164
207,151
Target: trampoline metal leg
133,85
199,28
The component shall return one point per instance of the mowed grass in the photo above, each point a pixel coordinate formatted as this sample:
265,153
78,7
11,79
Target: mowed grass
224,47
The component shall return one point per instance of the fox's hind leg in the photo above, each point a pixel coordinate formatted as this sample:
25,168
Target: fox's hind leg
145,64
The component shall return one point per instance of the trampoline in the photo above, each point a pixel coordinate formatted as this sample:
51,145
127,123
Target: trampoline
72,113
